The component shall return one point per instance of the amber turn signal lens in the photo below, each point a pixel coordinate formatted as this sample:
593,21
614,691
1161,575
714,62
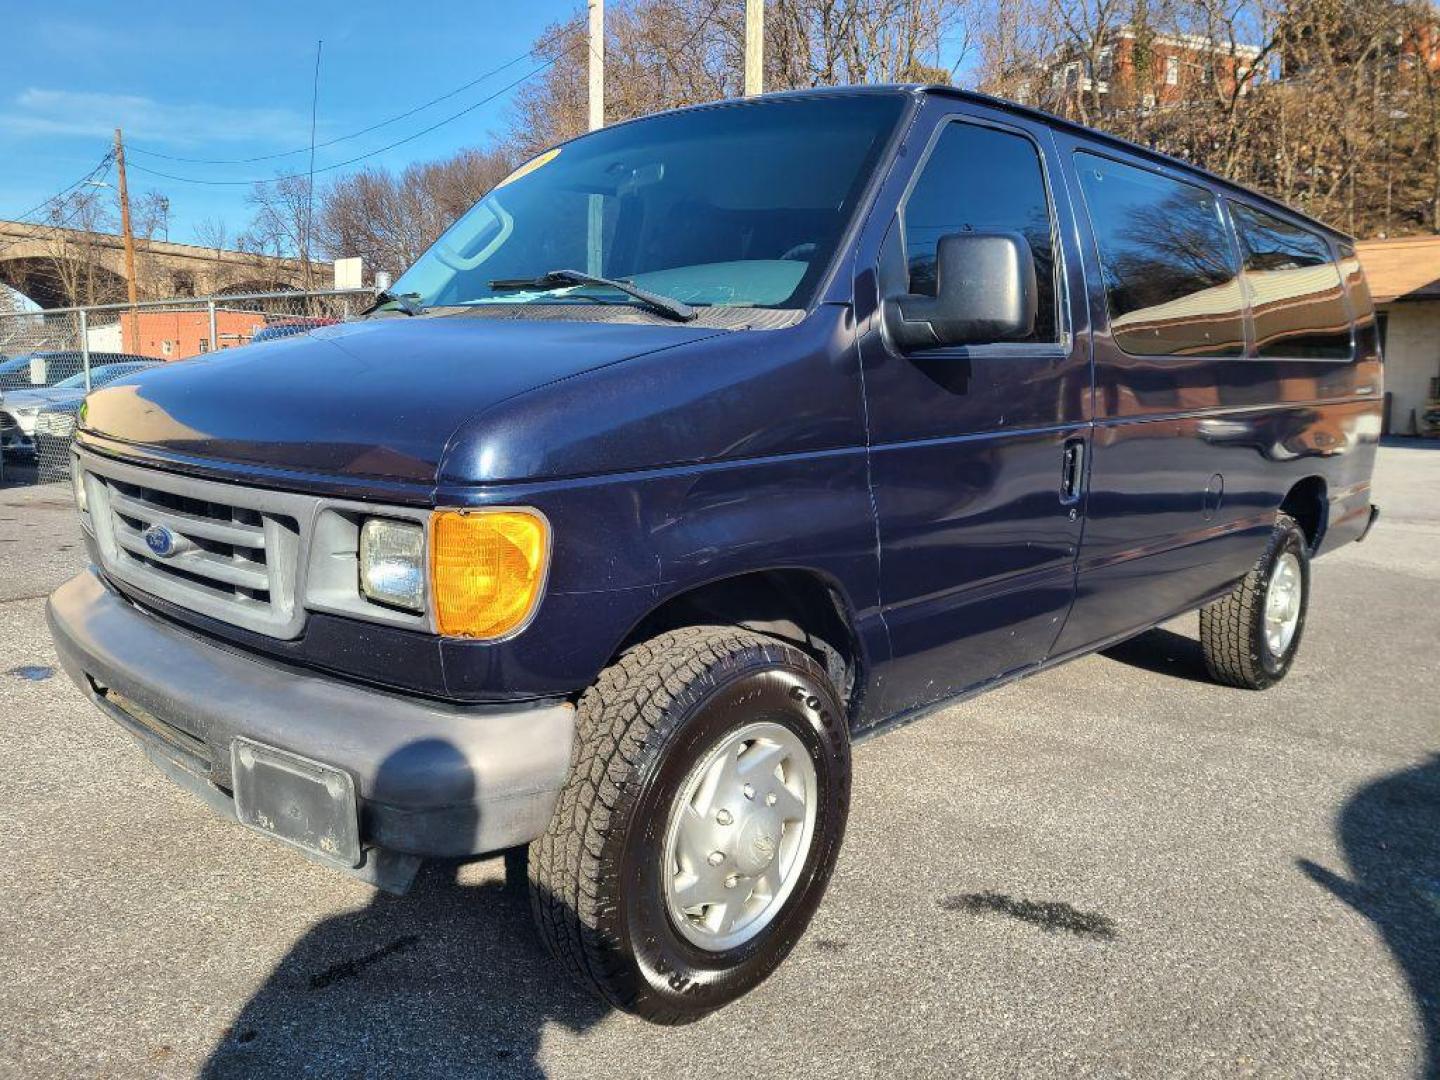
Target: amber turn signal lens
487,568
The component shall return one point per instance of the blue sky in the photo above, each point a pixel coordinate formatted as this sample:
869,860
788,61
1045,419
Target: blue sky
234,81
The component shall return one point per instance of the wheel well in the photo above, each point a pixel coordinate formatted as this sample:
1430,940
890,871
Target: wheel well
1307,504
798,606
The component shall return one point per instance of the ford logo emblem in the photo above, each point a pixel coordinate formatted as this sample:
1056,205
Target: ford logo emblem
161,541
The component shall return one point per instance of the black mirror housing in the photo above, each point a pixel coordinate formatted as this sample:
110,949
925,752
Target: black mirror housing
985,291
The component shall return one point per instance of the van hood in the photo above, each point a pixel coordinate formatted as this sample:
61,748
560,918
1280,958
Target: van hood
376,399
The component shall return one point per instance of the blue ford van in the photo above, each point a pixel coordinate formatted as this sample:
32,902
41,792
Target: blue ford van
701,446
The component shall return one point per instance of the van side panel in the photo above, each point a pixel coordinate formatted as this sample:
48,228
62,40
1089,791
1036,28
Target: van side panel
1194,455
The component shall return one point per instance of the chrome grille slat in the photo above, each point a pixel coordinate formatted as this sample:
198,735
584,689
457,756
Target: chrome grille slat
200,563
250,536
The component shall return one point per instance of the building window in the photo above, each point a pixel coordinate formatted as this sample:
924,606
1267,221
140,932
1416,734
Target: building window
1172,70
1106,67
204,344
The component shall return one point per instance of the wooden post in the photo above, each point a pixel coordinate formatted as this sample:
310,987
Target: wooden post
597,64
595,216
754,47
125,231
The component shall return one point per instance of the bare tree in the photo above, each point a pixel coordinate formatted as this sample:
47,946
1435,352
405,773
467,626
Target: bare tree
77,241
389,220
661,54
212,232
279,226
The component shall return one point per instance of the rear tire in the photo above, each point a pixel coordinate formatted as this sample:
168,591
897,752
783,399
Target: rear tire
1250,637
654,736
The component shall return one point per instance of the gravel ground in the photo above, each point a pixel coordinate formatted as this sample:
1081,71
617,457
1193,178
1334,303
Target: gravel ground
1113,869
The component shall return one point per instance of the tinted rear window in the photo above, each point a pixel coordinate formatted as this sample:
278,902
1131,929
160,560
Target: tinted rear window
1168,265
1295,289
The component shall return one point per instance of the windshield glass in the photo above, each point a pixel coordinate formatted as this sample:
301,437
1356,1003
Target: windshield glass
736,205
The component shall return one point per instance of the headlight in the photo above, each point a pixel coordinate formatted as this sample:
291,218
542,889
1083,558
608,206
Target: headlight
392,563
60,425
487,570
77,482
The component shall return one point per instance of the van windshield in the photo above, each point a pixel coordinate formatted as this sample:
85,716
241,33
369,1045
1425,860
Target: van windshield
740,205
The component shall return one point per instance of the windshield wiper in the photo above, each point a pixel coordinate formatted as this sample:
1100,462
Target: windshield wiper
665,305
386,300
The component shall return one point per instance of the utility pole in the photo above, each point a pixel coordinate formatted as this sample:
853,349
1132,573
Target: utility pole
754,47
597,64
125,230
595,216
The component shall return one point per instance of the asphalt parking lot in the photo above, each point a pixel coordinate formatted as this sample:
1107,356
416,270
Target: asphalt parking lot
1112,869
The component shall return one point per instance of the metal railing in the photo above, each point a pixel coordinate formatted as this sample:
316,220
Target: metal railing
74,347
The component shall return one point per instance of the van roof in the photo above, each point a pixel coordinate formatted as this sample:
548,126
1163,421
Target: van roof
1092,134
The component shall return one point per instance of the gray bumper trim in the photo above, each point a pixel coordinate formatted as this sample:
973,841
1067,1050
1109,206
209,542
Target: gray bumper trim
433,779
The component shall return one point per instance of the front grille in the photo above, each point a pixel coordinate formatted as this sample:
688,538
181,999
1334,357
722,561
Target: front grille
61,425
223,545
228,552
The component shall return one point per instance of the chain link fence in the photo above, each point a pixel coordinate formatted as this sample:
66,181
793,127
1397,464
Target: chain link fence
50,359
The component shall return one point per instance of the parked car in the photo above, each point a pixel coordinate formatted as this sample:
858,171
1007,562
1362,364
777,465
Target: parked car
47,417
20,408
611,540
284,328
38,369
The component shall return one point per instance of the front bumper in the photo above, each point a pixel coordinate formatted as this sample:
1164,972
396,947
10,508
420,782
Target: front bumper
431,779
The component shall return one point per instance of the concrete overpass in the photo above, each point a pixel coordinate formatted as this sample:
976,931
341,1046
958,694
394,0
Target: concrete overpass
58,267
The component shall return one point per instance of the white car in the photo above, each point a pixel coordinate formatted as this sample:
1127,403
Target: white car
20,408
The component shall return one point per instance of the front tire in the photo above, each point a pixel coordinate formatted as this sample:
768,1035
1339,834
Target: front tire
1250,636
701,820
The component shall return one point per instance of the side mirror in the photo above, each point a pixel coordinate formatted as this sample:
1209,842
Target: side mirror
984,292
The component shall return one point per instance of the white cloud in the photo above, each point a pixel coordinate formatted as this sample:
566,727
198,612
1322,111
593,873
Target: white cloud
96,115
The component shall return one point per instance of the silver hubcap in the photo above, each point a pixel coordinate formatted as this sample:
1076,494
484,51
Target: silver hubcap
1282,604
738,834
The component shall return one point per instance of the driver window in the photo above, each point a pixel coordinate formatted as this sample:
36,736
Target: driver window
979,179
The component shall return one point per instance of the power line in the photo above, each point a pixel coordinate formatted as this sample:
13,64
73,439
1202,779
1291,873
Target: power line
104,163
361,157
339,138
103,168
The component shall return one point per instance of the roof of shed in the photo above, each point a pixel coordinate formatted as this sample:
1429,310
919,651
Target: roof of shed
1405,268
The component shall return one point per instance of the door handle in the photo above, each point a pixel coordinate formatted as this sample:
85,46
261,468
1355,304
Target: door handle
1072,471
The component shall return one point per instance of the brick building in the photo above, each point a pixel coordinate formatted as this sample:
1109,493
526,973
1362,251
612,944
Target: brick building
1128,71
176,335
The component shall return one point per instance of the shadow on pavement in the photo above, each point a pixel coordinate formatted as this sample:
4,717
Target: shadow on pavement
1163,652
1390,831
448,980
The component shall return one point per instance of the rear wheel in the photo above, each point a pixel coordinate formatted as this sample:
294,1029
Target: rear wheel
1250,637
700,822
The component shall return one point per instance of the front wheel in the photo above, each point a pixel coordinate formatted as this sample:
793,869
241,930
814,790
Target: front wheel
700,823
1250,636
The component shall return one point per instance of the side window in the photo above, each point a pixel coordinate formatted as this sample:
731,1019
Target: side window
979,179
1295,289
1168,267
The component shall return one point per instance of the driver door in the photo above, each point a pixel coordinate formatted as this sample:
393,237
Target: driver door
979,530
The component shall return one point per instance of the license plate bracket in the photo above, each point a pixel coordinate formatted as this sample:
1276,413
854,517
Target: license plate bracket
302,802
